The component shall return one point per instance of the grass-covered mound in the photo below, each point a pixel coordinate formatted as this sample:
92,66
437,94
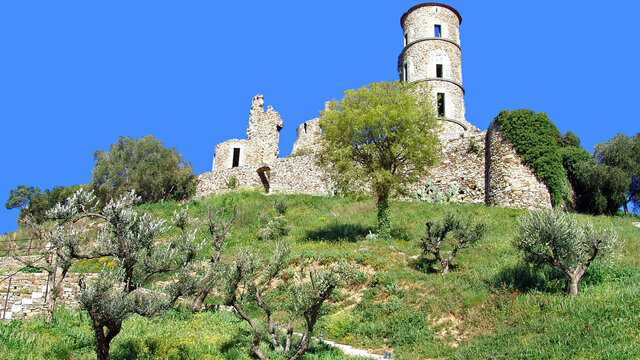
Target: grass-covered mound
490,305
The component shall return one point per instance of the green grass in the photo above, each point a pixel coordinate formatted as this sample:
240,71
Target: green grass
489,306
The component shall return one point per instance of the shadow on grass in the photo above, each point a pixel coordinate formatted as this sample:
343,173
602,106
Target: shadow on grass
526,278
340,233
429,265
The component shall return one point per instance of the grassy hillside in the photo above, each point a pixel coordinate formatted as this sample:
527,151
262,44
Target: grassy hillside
489,306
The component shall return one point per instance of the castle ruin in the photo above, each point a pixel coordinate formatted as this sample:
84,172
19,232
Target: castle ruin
480,165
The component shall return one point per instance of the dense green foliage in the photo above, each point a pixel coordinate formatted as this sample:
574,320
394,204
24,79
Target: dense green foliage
380,135
600,189
623,152
20,197
33,202
143,165
535,138
491,306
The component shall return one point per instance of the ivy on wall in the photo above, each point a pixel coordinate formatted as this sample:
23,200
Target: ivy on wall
535,138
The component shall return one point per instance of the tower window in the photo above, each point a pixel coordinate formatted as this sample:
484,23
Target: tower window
438,30
438,70
406,39
405,72
305,128
236,157
441,104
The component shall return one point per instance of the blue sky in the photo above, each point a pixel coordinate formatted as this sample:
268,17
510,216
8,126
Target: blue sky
75,75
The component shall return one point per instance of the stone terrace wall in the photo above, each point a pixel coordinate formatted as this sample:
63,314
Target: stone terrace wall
509,182
28,291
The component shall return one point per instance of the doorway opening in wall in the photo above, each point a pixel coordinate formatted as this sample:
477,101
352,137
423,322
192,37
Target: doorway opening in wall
265,175
236,157
437,29
440,104
439,70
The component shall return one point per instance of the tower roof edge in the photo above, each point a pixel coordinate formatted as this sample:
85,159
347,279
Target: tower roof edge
430,4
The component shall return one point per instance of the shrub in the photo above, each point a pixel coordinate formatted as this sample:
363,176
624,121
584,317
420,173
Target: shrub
600,189
535,138
452,233
143,165
555,238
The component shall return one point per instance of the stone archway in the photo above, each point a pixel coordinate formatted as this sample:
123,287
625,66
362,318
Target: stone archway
264,172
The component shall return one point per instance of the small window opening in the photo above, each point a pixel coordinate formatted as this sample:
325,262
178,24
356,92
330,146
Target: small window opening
441,104
438,30
406,39
305,128
405,72
438,70
236,157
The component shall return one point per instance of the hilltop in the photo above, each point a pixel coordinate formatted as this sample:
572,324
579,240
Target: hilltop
490,305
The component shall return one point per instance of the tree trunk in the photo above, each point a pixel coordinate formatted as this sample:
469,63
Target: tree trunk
196,304
102,344
445,268
302,348
573,285
384,221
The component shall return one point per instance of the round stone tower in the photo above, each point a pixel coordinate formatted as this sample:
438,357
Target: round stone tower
431,56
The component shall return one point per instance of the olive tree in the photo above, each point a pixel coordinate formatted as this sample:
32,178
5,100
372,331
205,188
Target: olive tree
555,238
445,237
381,135
253,280
56,247
130,240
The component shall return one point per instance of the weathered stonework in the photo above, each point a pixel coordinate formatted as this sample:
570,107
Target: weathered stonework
426,50
25,295
509,182
261,145
481,165
308,138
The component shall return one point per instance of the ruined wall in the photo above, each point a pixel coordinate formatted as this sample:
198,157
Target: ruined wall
308,140
292,175
461,164
223,155
261,145
264,130
509,182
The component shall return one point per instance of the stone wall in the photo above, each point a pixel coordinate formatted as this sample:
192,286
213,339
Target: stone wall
27,291
509,182
291,175
308,140
261,145
461,164
419,22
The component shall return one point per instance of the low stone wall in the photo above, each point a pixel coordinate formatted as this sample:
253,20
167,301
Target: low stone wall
509,182
26,292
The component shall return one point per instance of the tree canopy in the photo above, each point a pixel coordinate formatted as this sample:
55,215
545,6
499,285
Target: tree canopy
143,165
381,135
623,152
